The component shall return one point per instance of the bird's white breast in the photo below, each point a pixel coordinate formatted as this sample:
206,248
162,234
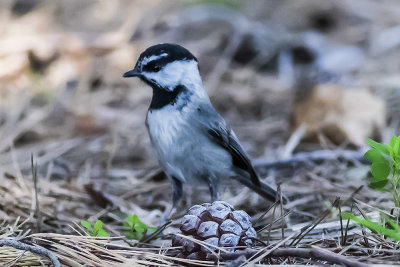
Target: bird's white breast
166,127
183,150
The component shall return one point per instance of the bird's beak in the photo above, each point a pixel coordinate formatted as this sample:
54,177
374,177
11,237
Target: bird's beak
132,73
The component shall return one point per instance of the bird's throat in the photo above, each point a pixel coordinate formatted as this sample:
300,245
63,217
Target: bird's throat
163,97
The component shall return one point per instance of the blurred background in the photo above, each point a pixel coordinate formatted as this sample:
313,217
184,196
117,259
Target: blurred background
288,76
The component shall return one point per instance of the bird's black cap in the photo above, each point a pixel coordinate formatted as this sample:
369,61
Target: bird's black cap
172,52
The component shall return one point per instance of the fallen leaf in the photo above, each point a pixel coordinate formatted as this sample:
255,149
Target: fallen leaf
340,114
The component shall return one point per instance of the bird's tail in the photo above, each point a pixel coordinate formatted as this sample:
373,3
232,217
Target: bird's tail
262,189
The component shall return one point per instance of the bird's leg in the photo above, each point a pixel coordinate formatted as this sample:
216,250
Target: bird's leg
213,190
188,195
177,189
177,193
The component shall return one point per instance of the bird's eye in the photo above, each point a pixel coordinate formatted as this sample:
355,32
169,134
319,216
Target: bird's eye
152,67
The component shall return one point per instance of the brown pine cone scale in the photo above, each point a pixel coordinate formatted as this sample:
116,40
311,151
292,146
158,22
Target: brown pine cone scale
217,224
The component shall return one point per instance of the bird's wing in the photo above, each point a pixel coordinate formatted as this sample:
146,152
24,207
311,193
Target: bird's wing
215,127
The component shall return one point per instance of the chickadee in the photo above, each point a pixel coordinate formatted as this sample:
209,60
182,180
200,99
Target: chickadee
193,143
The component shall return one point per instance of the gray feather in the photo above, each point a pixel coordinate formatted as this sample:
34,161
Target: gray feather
215,127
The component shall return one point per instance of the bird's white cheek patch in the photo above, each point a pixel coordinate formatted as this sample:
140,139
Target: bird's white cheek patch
176,73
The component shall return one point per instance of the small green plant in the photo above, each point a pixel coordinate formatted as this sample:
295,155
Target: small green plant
385,162
390,229
96,230
135,228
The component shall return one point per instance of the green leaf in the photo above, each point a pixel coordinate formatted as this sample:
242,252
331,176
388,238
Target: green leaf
346,215
136,227
374,156
379,184
98,225
395,149
129,234
392,223
87,225
393,141
140,227
135,219
382,189
102,232
397,145
380,170
378,146
138,236
393,234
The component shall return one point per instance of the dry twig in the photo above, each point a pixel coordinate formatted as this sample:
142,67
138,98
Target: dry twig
306,253
34,249
306,157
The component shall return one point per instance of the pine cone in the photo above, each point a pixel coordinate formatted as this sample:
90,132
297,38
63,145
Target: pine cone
218,224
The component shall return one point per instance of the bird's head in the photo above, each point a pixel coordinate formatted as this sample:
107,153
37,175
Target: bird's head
166,67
